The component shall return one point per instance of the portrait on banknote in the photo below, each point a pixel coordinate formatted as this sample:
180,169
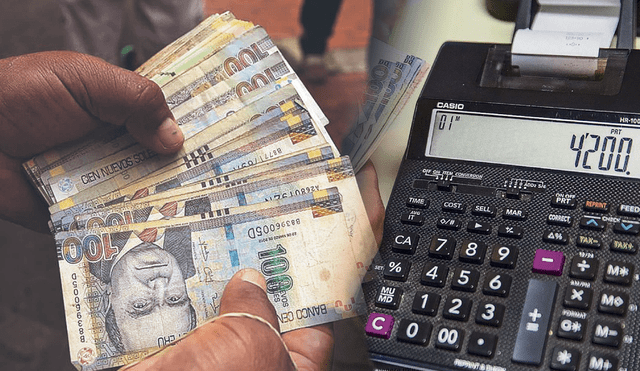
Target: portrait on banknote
144,298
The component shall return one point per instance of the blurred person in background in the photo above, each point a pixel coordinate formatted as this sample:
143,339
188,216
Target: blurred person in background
96,27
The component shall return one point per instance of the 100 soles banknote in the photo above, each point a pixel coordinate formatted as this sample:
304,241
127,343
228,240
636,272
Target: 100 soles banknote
117,312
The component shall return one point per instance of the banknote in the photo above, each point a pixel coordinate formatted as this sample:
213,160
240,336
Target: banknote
55,160
211,38
391,75
273,139
388,116
394,74
207,116
201,31
261,188
116,314
64,220
171,69
263,74
88,199
135,162
251,47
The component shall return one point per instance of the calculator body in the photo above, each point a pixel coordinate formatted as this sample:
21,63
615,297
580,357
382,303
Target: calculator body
511,236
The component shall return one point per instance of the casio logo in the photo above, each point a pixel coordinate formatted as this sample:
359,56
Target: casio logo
450,105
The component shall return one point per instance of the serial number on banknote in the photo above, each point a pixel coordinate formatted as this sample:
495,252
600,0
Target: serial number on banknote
77,300
297,192
255,232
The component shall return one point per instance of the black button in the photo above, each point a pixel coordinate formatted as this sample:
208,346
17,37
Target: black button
556,237
583,268
414,332
571,328
449,338
627,227
559,219
629,210
442,247
618,272
425,303
417,202
565,359
602,362
563,202
510,231
405,242
397,269
578,298
479,227
593,223
504,256
490,314
481,344
472,251
457,308
589,242
465,279
434,274
624,247
484,210
497,284
514,214
448,223
613,302
454,207
596,206
535,321
412,217
389,297
607,333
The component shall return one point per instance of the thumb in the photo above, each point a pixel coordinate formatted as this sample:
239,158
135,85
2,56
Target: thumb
55,97
230,343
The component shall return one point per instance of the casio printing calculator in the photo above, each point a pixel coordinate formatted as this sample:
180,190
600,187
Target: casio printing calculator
512,232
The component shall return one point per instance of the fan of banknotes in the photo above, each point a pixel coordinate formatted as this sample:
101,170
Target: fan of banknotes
393,77
147,243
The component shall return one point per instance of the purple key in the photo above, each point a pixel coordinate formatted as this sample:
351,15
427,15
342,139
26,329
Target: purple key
548,262
379,325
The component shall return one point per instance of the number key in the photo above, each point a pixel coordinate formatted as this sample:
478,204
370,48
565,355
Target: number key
425,303
449,339
473,251
414,332
434,274
457,308
504,256
490,314
497,284
442,247
465,279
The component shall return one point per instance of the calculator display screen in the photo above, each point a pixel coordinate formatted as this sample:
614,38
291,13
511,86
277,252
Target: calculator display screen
590,147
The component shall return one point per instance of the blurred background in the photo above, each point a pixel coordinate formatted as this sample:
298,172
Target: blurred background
32,324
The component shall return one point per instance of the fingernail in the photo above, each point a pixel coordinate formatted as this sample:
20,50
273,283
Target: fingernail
253,276
169,134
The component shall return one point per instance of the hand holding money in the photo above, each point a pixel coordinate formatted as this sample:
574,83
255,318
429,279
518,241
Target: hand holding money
234,343
52,98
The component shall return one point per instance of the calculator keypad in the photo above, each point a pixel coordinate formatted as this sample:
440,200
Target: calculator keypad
534,282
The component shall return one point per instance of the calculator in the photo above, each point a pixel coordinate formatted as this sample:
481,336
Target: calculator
512,232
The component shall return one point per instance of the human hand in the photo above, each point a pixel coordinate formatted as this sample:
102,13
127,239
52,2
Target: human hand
50,98
236,343
240,343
